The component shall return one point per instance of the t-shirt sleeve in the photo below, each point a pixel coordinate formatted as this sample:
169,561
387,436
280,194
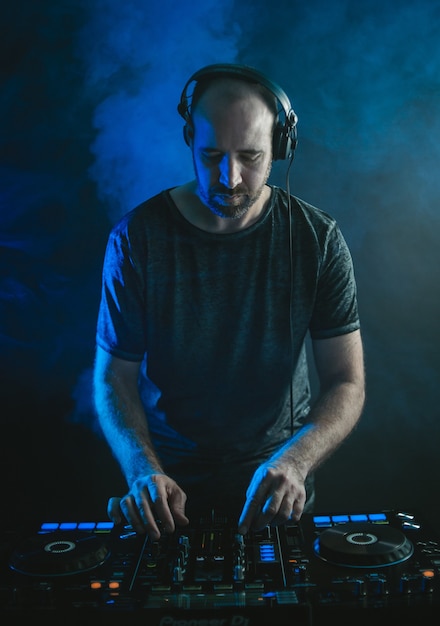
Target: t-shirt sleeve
336,307
120,327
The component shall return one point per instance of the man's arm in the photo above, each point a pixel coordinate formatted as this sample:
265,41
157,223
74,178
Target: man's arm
277,491
152,495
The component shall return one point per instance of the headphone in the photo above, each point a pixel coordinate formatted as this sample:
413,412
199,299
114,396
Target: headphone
284,137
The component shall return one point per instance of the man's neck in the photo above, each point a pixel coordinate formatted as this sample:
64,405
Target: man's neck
197,213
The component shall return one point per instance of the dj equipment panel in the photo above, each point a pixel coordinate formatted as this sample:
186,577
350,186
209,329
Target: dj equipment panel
360,568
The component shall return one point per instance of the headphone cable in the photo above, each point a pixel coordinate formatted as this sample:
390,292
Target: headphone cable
289,210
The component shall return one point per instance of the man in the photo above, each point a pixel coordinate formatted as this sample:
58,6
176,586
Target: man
209,291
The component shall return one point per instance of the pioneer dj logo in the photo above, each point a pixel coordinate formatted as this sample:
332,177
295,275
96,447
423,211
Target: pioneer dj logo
234,620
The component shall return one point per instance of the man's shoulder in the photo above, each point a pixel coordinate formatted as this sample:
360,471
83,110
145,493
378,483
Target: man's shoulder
314,213
142,212
150,205
302,209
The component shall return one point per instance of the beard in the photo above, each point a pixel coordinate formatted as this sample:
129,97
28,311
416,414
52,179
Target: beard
230,203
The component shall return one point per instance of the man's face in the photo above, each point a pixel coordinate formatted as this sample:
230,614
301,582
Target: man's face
232,149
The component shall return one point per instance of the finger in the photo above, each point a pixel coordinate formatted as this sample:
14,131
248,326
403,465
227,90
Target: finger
145,507
298,507
251,511
273,507
130,514
114,511
177,501
139,515
128,507
161,497
290,509
284,512
256,495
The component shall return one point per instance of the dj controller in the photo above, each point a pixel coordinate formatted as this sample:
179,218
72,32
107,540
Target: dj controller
378,567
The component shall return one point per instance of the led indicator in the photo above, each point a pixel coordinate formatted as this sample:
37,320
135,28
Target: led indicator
377,517
104,525
114,584
49,526
267,553
95,584
68,526
359,518
86,525
322,520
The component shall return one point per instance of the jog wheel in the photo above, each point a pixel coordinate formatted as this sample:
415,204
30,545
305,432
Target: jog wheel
363,545
59,554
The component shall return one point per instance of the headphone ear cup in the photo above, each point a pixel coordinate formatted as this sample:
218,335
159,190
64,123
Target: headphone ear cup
281,143
277,143
284,141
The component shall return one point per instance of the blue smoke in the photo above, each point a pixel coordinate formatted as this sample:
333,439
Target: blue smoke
140,60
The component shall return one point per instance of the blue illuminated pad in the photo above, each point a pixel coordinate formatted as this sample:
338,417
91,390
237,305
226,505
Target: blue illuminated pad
267,553
68,526
90,526
86,525
322,520
377,517
49,526
104,525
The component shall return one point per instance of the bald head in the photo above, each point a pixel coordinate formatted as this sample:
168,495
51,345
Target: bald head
228,90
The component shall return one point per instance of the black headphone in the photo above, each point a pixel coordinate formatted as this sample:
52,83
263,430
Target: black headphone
284,138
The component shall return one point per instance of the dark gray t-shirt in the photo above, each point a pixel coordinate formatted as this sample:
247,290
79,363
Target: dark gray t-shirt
220,321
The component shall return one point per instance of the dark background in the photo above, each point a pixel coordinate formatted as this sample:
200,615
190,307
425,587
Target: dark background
90,128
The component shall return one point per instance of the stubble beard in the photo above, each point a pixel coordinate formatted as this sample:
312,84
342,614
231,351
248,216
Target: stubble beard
242,201
236,209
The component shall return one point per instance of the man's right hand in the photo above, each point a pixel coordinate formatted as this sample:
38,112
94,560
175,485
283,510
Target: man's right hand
153,501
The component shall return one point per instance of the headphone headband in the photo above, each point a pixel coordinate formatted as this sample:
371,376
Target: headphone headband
284,139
